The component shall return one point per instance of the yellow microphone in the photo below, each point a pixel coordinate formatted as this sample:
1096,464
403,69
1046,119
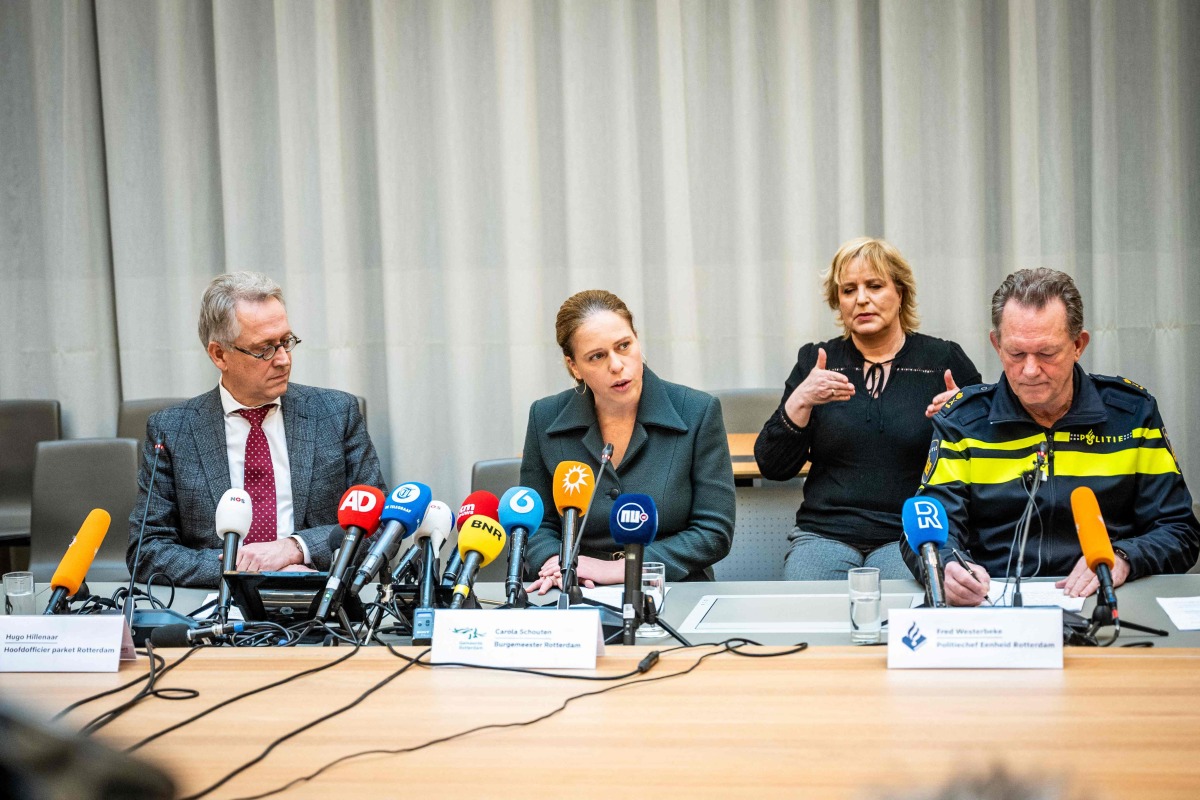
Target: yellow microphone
479,542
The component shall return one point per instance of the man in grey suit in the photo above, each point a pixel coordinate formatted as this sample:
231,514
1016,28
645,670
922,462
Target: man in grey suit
295,449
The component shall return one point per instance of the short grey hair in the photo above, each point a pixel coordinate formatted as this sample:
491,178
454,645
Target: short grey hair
1034,288
218,309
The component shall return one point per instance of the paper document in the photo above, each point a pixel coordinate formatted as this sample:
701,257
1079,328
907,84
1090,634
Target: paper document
1033,593
612,595
1183,611
208,613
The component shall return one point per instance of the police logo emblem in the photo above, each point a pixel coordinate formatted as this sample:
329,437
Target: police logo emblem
931,462
1171,450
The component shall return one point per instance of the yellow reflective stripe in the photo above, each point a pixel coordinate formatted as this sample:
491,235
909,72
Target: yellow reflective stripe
979,470
1134,460
1014,444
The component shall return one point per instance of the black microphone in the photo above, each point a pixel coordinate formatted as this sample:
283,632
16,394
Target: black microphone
127,609
234,515
633,523
521,514
185,636
358,515
1040,460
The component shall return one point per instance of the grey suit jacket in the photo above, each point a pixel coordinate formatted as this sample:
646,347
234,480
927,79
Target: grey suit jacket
329,451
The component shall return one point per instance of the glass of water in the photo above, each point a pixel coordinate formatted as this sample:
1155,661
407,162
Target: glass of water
654,586
866,614
18,593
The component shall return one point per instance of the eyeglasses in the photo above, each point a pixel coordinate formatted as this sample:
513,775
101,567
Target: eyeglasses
268,352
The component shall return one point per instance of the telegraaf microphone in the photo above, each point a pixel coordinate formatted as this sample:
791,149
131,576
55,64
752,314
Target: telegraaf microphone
926,529
78,559
402,514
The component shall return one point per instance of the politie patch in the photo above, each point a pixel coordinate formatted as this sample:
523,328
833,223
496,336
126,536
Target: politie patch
1171,450
931,461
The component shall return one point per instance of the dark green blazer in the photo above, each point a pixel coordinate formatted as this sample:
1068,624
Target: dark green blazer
678,454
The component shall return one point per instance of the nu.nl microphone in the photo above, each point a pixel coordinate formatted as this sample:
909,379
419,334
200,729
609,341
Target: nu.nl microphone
234,514
521,514
78,559
402,514
926,527
358,515
633,523
479,542
1093,540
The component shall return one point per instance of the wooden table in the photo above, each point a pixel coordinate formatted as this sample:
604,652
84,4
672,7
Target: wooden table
828,722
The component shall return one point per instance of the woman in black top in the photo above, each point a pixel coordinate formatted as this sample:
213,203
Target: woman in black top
856,408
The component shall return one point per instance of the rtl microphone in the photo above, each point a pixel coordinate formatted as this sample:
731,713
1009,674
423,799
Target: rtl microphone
521,513
184,636
1093,540
402,514
926,528
234,514
480,502
358,515
573,487
633,523
479,542
435,527
78,559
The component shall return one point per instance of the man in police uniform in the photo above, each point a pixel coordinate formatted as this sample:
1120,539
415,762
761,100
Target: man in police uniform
1047,417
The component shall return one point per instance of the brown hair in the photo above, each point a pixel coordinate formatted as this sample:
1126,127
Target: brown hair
887,262
577,308
1033,288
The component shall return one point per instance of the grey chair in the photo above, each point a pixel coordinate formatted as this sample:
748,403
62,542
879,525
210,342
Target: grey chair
23,423
71,478
497,476
745,410
765,516
132,415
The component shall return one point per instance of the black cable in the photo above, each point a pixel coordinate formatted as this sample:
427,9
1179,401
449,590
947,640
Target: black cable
148,690
103,694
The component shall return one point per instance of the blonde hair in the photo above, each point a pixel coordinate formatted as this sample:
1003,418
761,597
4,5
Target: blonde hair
886,262
577,308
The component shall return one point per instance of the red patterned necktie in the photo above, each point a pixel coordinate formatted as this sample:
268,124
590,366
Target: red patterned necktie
259,480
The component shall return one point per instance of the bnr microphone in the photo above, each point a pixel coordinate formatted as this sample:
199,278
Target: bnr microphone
573,487
521,514
358,515
402,514
479,542
480,502
926,528
234,514
633,523
78,559
1093,540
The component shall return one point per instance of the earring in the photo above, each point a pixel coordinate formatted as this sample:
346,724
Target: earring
579,386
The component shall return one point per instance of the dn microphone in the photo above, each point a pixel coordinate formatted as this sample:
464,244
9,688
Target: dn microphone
358,515
233,518
633,523
78,558
479,542
521,514
926,528
436,526
402,514
480,502
1094,541
574,484
183,636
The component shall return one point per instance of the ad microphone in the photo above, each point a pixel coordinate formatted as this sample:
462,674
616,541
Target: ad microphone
402,514
78,559
1093,540
926,528
480,502
633,523
479,542
358,515
233,518
183,636
573,487
521,513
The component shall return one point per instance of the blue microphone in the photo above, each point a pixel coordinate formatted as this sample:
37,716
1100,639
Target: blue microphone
634,524
402,514
521,512
926,527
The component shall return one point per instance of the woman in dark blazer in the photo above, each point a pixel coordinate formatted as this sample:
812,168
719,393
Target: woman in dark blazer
668,442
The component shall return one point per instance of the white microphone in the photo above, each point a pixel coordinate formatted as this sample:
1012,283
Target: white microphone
234,515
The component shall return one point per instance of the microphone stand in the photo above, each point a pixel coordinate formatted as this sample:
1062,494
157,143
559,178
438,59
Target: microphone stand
1026,522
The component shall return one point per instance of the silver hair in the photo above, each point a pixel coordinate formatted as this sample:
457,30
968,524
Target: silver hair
1034,288
218,309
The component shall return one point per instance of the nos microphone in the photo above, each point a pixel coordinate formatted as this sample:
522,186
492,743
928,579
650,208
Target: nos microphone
402,514
479,542
1094,541
521,514
633,523
233,518
480,502
78,559
573,487
926,528
358,515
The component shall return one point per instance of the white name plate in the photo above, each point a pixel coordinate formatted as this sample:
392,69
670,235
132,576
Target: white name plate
975,638
89,643
518,638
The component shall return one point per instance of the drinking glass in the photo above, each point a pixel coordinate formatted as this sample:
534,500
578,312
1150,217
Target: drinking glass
654,586
18,592
866,615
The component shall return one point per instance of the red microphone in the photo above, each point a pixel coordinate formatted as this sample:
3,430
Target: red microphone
477,503
358,514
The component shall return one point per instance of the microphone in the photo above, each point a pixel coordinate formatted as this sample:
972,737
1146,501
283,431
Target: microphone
926,528
479,542
634,524
436,526
1041,459
358,515
1093,540
402,514
184,636
78,559
234,515
573,487
480,502
521,514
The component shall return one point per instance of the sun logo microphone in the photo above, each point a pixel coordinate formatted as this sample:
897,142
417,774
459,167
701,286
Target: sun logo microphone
633,523
926,528
574,484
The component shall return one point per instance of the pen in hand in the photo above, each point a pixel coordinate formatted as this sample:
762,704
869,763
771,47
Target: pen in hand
958,557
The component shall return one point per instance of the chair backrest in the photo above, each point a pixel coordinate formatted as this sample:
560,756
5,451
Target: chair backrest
71,478
765,516
496,476
23,423
132,415
746,410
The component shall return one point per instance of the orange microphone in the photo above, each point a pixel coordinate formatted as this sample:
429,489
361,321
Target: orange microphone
79,557
1094,541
